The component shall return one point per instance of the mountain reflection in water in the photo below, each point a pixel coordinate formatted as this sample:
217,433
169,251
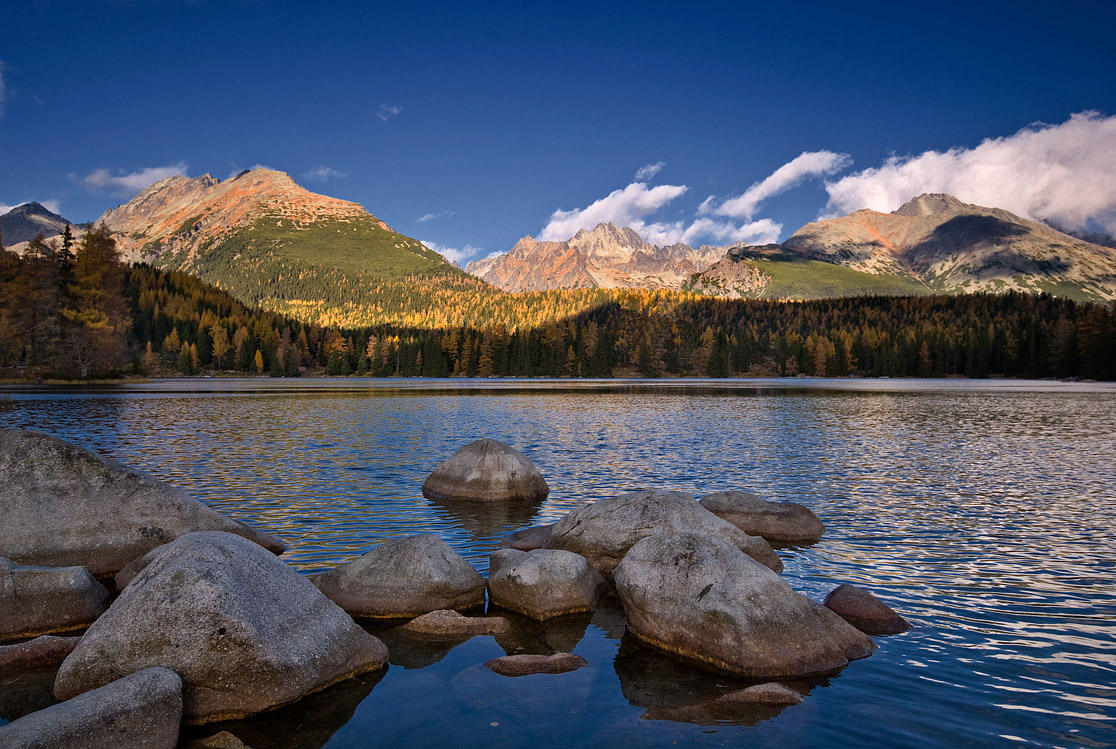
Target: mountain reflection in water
983,511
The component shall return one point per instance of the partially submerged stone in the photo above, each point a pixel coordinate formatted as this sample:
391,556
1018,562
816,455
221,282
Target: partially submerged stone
529,539
142,709
244,631
605,530
41,600
445,623
66,506
770,693
403,578
543,583
778,522
220,740
525,664
41,652
708,603
864,611
486,470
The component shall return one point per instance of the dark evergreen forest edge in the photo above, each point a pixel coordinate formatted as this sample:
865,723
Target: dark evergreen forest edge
80,314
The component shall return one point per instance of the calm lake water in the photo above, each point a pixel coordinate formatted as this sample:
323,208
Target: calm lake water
984,511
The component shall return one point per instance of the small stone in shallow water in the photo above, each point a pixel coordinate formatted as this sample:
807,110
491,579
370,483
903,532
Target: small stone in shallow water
864,611
525,664
770,693
529,539
452,624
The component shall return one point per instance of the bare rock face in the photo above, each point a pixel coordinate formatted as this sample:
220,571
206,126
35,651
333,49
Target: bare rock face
40,600
143,709
486,470
864,611
525,664
779,522
706,602
244,631
445,623
42,652
404,578
603,531
66,506
543,583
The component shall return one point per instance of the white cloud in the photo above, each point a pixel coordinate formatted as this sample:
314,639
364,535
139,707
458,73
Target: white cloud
462,256
763,231
621,207
324,174
791,174
647,171
128,184
387,111
431,216
1063,173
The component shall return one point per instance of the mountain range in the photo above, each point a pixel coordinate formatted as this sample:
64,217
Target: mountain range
24,222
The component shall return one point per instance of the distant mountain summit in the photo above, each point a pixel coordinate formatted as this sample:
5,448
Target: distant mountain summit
606,257
24,222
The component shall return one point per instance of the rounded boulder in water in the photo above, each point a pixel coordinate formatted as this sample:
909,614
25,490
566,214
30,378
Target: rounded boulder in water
486,471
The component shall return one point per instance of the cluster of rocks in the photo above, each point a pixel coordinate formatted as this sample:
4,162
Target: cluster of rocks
210,625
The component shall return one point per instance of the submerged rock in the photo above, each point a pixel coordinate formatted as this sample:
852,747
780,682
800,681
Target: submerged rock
486,470
42,652
543,583
143,709
778,522
244,631
864,611
66,506
525,664
444,623
605,530
770,693
41,600
705,601
404,578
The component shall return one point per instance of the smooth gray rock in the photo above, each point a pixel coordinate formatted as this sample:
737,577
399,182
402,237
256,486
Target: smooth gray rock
864,611
543,583
708,603
66,506
778,522
244,631
486,470
41,600
403,578
603,531
42,652
450,624
525,664
143,709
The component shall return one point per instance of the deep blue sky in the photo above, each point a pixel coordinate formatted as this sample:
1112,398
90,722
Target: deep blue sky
506,112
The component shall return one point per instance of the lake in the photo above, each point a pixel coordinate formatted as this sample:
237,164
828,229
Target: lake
984,511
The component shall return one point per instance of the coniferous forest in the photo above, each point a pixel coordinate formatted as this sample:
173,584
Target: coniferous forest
79,313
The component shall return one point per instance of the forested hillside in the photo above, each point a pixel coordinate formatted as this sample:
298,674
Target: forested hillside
79,312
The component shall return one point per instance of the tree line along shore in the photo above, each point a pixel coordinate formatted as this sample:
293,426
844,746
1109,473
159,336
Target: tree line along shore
79,313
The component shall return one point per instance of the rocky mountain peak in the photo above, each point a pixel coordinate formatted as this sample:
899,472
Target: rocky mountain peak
929,204
24,222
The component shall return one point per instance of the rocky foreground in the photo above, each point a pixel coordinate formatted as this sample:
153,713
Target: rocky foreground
210,625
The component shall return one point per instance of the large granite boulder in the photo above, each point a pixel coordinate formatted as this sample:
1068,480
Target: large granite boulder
486,470
543,583
778,522
143,709
244,631
708,603
403,578
65,506
864,611
603,531
41,600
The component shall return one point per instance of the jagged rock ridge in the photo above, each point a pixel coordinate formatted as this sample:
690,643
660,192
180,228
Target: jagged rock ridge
605,257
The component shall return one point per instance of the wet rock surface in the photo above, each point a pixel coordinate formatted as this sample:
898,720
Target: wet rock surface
41,600
543,583
864,611
486,470
66,506
708,603
525,664
444,623
776,522
143,709
605,530
404,578
769,693
244,631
